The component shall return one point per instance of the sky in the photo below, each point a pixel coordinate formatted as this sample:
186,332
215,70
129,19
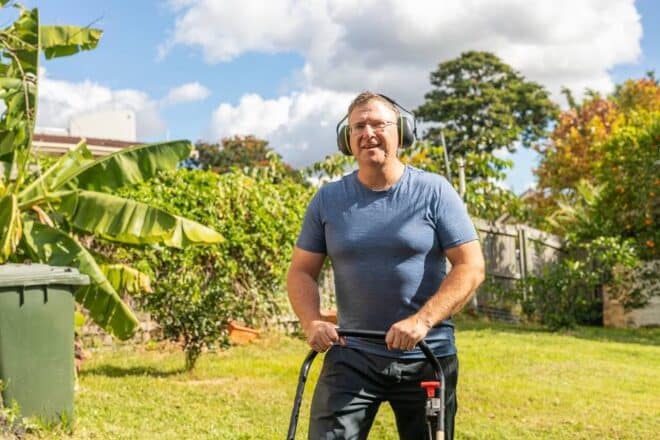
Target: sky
286,70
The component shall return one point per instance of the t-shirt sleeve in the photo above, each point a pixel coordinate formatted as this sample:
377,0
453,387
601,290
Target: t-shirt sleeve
312,233
453,224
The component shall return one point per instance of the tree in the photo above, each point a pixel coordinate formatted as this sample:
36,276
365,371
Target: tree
237,151
611,145
482,104
244,153
640,94
574,150
630,184
41,215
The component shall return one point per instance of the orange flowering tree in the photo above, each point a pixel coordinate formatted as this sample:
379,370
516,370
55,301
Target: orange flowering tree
601,165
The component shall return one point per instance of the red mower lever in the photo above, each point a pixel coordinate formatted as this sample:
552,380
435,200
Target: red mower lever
430,387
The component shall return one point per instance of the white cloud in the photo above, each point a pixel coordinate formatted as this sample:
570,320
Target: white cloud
226,29
301,127
188,92
60,100
391,46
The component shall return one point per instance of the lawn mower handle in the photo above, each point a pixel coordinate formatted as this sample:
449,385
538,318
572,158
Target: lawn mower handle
370,334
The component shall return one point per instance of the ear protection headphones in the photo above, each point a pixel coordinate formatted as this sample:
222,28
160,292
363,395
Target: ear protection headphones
406,126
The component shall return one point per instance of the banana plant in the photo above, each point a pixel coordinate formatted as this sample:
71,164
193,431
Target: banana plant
42,213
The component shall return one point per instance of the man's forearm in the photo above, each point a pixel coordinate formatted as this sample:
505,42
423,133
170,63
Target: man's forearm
455,291
304,297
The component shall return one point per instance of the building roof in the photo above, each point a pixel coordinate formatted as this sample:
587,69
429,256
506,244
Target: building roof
60,144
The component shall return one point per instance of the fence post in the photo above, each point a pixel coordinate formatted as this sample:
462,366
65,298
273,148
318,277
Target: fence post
522,258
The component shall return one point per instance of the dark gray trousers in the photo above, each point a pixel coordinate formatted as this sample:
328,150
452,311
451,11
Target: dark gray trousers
353,384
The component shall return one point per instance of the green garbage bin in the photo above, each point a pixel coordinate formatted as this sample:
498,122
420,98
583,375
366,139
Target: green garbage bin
37,337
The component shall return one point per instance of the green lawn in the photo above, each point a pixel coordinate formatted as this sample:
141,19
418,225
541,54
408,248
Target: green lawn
515,383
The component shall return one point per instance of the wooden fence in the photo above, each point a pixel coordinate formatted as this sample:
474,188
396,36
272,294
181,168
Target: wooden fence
512,254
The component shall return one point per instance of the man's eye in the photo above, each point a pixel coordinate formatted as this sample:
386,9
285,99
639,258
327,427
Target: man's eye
360,126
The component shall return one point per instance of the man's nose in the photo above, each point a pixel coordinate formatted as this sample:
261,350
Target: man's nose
368,128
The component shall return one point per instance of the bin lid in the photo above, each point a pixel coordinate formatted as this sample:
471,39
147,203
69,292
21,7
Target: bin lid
39,275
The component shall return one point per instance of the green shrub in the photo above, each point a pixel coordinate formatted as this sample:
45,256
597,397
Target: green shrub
567,293
197,291
564,295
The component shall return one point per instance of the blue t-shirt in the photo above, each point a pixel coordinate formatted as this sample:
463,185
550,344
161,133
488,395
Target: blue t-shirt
387,251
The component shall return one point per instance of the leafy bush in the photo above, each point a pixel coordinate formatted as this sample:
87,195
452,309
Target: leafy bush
501,293
564,295
567,293
197,291
637,285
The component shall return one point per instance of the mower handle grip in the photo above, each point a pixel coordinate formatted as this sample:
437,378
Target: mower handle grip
376,334
371,334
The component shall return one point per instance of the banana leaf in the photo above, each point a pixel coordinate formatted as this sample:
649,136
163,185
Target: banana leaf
10,84
126,279
61,171
127,221
17,120
25,42
105,306
61,41
10,226
7,144
128,166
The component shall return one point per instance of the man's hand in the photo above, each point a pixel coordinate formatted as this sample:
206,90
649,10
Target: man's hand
405,334
321,335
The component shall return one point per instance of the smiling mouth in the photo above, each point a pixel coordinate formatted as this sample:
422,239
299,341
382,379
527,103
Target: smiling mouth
370,146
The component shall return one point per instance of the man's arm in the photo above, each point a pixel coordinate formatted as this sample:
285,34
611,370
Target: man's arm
304,296
466,274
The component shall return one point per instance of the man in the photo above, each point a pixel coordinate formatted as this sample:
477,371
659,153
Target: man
387,228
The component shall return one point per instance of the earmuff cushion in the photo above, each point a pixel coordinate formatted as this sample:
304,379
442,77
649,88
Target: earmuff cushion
343,141
406,132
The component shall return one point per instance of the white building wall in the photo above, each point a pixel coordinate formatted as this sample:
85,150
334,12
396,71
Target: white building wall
111,124
646,317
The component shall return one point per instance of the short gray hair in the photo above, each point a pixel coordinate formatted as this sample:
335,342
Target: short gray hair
367,96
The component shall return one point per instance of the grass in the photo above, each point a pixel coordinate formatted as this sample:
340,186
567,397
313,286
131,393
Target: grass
515,383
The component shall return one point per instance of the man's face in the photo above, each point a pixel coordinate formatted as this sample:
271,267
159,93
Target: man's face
373,133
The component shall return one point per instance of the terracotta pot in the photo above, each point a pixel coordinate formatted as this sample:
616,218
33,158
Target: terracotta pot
240,334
